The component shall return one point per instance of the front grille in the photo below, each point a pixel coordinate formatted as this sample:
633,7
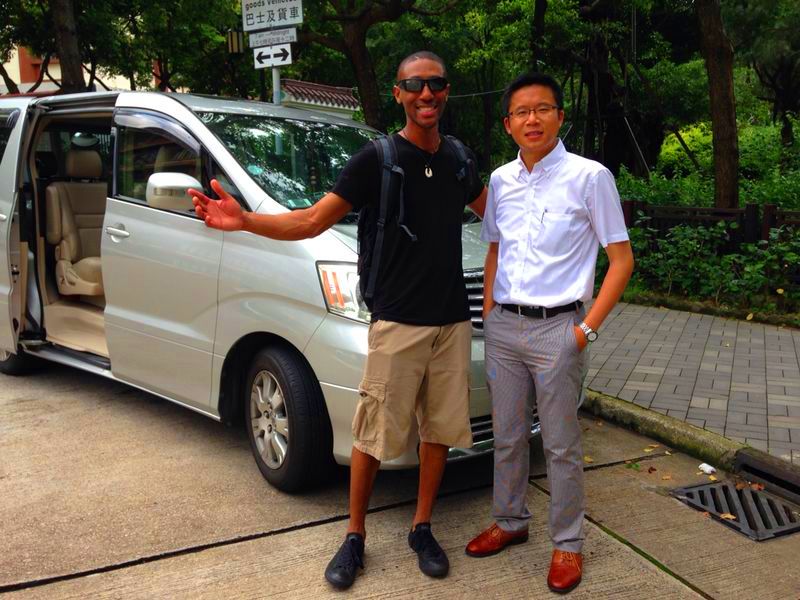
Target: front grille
474,280
483,437
482,427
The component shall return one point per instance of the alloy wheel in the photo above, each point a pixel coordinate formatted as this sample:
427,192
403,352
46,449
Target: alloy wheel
269,419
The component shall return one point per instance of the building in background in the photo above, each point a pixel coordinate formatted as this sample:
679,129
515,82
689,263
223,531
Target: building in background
24,69
338,101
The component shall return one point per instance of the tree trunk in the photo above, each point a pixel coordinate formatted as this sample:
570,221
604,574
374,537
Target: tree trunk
10,84
355,41
718,54
163,75
537,32
787,131
69,53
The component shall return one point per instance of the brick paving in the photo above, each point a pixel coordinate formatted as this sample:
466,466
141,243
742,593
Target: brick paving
737,378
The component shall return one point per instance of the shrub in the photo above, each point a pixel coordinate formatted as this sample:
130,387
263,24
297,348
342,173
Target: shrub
689,262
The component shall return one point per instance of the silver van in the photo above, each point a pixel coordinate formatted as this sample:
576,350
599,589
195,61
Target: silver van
105,267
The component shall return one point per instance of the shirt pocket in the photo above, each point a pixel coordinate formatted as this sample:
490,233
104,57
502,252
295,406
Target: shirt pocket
555,233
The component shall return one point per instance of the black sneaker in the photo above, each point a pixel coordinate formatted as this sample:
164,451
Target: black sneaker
432,559
341,571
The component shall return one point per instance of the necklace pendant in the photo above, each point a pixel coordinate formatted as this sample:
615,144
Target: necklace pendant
428,172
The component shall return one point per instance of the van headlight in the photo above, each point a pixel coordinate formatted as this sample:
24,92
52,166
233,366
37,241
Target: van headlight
339,283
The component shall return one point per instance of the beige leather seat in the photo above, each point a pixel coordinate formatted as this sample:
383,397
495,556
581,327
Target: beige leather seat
75,212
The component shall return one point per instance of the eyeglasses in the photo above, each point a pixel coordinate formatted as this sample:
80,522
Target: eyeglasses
542,111
435,84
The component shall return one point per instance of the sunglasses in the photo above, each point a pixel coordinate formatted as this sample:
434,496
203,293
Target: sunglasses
435,84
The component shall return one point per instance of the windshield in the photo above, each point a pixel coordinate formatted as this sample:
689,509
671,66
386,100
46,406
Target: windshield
295,162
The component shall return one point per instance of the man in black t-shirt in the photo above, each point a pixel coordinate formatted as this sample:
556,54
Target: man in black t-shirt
419,339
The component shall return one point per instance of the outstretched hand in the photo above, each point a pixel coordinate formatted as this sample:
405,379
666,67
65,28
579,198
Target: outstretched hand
224,214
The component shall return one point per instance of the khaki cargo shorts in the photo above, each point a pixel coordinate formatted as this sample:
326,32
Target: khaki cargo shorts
412,370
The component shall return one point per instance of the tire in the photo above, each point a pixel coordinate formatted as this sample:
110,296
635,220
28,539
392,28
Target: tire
17,364
287,421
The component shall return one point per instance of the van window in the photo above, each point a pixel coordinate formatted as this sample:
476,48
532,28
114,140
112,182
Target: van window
60,138
144,152
7,121
295,162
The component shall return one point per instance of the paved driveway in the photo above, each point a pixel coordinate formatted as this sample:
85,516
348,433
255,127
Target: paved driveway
107,492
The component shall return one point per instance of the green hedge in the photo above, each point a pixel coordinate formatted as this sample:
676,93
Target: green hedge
689,262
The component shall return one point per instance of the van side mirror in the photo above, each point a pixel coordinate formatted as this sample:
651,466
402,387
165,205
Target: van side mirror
169,191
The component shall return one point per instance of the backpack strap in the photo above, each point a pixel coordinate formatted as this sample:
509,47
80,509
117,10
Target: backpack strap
467,165
387,161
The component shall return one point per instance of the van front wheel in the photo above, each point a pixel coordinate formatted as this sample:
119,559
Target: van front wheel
287,421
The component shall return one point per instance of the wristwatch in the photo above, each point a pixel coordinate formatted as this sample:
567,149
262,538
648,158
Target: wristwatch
591,334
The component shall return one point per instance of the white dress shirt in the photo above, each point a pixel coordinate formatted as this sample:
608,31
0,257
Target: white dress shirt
548,223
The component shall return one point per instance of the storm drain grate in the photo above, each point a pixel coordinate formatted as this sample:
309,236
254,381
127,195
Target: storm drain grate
756,513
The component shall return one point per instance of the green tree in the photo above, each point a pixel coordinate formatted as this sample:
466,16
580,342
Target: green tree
9,13
766,34
343,26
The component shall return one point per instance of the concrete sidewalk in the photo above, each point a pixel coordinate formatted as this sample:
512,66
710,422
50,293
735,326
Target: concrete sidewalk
736,378
641,543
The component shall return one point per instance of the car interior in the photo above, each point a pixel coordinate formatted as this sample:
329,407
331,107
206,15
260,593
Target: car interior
70,179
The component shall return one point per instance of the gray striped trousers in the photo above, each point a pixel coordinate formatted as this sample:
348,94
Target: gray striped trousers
537,360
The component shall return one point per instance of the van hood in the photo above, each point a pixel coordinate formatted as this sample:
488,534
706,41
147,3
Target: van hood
472,248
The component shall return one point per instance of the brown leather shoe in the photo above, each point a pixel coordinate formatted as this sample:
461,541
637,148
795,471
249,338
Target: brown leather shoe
493,540
565,571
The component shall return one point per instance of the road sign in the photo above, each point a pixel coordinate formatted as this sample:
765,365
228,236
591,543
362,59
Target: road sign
268,14
272,56
273,37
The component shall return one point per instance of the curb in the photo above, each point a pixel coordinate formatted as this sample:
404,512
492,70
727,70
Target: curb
707,446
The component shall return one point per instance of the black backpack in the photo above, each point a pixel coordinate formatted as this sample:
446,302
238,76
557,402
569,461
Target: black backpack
370,240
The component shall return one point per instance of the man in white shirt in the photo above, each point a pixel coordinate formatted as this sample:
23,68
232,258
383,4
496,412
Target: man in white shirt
547,213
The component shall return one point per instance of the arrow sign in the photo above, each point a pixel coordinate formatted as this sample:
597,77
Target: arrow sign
272,56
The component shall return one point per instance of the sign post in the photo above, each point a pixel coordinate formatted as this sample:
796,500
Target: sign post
272,48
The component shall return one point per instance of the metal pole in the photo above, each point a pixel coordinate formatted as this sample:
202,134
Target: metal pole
276,85
263,85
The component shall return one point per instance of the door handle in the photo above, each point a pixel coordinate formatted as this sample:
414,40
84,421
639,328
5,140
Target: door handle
118,231
3,218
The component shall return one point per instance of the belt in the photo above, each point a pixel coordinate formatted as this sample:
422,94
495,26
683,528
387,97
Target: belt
540,312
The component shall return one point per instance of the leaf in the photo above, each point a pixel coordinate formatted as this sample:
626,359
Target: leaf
749,316
653,446
699,473
727,517
652,470
740,485
648,449
634,466
668,453
757,487
588,459
666,477
779,290
712,478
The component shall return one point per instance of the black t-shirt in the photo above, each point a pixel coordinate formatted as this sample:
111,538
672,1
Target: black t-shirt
419,282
